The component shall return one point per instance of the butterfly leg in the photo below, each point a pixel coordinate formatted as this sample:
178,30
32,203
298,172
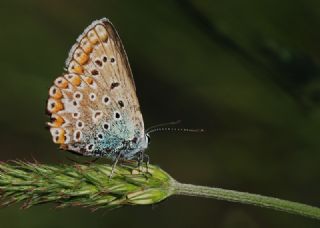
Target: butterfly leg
146,159
115,164
140,158
143,158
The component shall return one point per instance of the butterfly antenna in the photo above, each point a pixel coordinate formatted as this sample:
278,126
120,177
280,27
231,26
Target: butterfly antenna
163,124
174,129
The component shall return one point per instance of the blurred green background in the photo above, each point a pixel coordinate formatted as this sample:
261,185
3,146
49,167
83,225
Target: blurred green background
246,71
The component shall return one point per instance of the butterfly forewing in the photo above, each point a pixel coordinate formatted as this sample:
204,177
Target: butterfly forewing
93,106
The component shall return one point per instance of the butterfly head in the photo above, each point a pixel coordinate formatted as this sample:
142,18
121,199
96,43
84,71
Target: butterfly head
136,145
143,141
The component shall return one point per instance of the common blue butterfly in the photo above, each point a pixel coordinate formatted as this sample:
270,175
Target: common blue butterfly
93,106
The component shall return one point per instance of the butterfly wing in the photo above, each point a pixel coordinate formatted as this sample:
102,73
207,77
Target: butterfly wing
93,106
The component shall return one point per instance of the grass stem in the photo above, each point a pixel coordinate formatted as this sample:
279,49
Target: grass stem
247,198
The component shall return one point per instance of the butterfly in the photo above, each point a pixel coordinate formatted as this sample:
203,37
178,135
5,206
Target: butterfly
93,105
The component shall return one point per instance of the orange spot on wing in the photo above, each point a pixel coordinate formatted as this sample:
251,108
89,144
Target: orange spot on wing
58,107
54,105
83,58
74,67
58,135
57,95
75,80
80,56
86,45
88,80
57,121
60,139
78,69
61,83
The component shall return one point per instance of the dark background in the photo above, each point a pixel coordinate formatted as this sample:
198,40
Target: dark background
246,71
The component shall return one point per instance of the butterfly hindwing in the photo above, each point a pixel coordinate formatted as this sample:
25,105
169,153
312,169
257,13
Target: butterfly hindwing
93,106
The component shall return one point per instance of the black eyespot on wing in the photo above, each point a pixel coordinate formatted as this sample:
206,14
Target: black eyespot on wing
97,114
100,136
121,104
78,135
114,85
94,72
92,96
105,99
117,115
98,62
106,126
80,124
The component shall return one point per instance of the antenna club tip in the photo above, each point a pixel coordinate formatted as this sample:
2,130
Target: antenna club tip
197,130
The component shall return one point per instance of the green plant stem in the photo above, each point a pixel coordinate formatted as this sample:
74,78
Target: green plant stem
91,186
247,198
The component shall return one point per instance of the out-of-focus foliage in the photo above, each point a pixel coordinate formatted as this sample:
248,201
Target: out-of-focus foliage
246,71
